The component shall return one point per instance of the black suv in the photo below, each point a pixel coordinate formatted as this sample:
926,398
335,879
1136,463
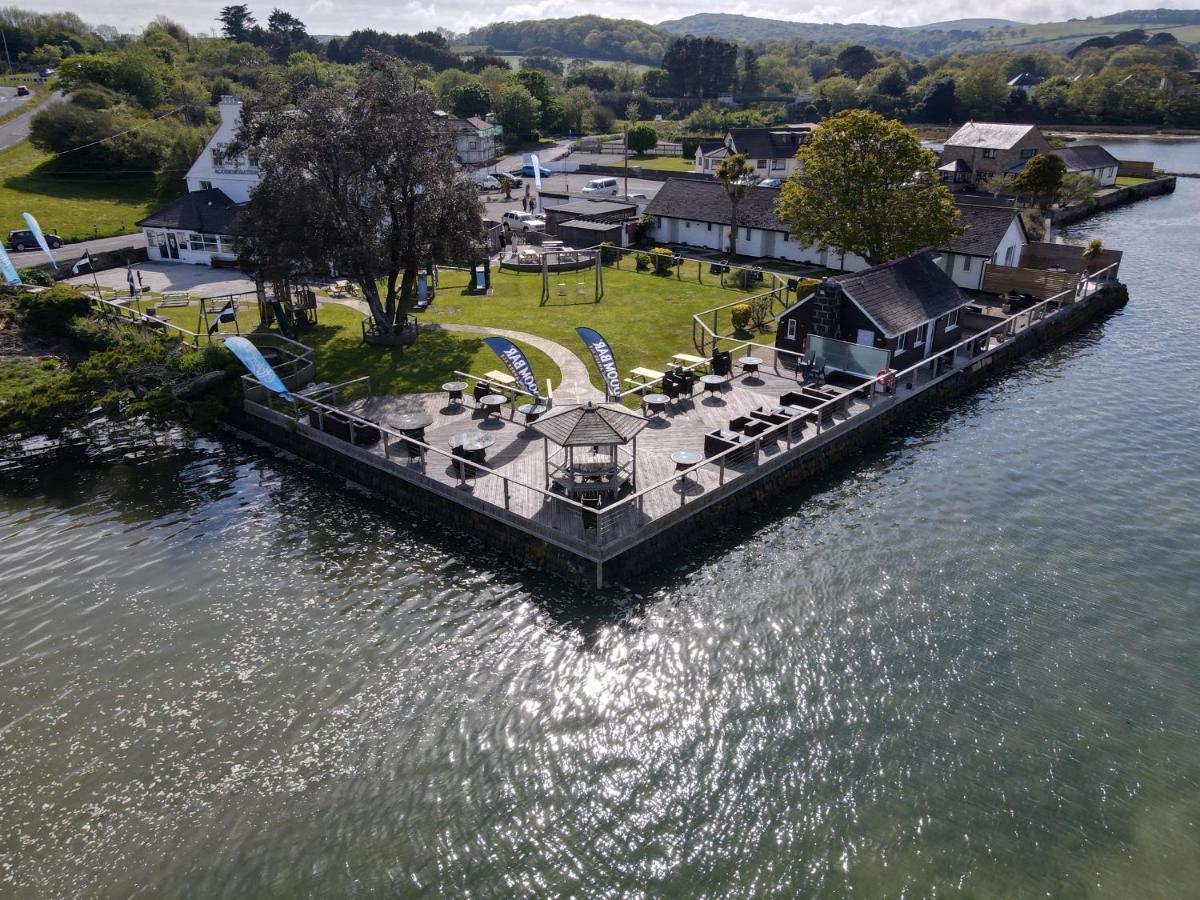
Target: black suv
24,240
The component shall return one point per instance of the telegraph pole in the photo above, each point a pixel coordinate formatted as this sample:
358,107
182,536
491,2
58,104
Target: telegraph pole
7,58
625,141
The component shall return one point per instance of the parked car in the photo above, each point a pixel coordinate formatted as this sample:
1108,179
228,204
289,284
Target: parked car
602,186
516,220
771,182
527,171
485,181
22,90
24,240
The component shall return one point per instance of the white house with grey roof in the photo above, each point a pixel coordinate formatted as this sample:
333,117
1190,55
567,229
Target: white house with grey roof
1085,159
770,151
992,236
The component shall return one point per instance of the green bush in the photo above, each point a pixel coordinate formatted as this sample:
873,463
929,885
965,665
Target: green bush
609,253
51,310
740,316
39,277
664,260
643,261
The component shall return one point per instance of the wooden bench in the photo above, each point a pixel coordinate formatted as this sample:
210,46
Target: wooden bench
644,377
687,359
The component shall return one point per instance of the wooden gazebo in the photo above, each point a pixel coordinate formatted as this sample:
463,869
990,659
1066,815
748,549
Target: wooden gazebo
596,451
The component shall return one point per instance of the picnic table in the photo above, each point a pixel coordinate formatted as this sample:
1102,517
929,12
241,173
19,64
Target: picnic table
688,359
643,377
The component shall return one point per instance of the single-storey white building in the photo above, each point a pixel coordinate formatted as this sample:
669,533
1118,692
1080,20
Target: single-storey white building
993,235
771,151
1085,159
197,228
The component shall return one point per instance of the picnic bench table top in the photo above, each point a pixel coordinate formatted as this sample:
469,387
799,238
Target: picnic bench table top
688,358
502,377
646,373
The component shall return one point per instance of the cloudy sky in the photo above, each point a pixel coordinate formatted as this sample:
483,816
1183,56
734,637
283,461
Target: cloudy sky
343,16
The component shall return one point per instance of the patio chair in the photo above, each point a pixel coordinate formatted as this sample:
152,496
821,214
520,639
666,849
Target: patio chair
816,370
482,389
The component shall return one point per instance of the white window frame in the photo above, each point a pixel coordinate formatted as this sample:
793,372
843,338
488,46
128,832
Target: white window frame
791,330
989,153
778,165
966,264
952,320
902,342
921,335
762,163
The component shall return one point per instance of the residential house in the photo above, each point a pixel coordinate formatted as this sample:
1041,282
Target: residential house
697,213
216,167
992,235
908,307
1085,159
474,139
1025,83
197,228
771,151
989,148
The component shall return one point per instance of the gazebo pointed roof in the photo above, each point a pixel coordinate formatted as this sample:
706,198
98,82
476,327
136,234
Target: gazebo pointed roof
585,426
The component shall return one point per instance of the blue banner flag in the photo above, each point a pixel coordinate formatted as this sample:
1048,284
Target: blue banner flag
605,361
253,360
7,269
40,238
511,355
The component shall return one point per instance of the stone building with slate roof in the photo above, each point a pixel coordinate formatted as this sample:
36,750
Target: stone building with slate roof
909,307
990,148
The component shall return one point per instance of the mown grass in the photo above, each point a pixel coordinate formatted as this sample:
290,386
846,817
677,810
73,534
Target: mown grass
1131,181
75,205
646,318
662,163
341,355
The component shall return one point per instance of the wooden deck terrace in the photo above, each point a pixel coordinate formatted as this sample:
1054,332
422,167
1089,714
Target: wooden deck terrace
512,487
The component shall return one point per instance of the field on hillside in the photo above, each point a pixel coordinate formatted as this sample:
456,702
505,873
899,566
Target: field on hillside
1061,36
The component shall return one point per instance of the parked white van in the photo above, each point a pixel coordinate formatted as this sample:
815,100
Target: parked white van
602,186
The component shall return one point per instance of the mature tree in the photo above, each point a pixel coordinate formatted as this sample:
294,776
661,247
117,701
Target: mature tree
470,100
868,187
236,21
516,108
856,61
642,138
362,179
937,103
839,92
735,175
1002,184
286,35
981,89
1043,178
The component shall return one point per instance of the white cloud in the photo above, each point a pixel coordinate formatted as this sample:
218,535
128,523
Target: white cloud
327,17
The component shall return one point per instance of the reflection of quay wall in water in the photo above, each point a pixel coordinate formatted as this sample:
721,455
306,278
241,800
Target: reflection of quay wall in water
591,564
1111,199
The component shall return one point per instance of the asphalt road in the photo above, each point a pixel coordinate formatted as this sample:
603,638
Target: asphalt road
16,130
68,253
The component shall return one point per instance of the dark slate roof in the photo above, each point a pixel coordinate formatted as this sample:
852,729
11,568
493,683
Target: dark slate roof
709,146
1079,157
580,207
903,294
706,201
985,227
768,143
584,426
206,212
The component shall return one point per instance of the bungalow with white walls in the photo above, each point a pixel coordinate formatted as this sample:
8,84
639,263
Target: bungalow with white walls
770,151
1084,159
697,214
992,236
197,228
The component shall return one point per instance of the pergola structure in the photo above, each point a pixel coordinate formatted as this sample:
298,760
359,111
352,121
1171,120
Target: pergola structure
596,451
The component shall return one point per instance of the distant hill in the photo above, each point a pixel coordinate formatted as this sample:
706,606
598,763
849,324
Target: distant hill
589,37
967,25
751,29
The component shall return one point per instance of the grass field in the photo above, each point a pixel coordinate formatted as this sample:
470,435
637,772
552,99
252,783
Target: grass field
73,205
341,355
1130,181
645,318
1064,35
663,163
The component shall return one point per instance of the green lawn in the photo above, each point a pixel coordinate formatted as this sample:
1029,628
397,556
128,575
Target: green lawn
1130,181
645,317
74,205
341,355
663,163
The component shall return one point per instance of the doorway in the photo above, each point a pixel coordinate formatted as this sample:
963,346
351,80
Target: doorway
172,245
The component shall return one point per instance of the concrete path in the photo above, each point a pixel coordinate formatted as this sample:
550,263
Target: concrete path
576,386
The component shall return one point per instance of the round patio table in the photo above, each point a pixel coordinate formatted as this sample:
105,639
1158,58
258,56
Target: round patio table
685,459
413,425
532,411
470,447
712,383
455,390
656,403
492,403
750,364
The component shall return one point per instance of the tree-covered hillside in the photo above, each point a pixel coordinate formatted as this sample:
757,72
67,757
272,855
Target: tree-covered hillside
589,37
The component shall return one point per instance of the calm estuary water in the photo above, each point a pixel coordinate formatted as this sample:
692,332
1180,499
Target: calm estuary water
968,663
